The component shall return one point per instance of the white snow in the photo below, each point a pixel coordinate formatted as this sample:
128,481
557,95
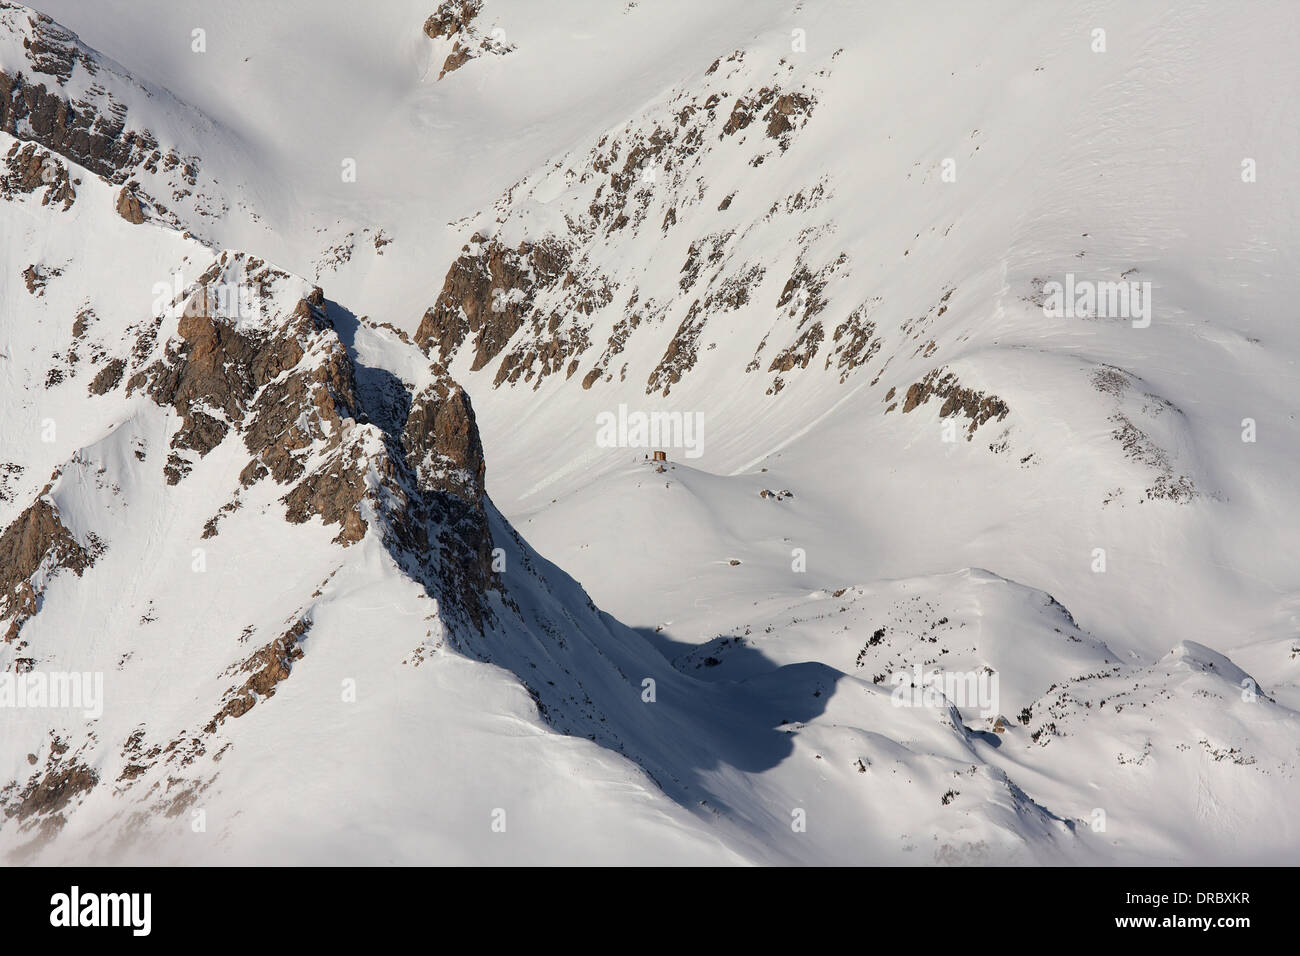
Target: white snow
1163,697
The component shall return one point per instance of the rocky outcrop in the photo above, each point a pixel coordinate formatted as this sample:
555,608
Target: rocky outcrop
783,113
38,106
542,303
34,549
278,380
52,49
452,18
107,378
855,341
266,668
29,168
36,277
435,501
286,386
788,113
40,802
128,206
76,130
1133,399
453,21
957,400
271,374
727,294
219,373
801,352
441,441
489,293
681,353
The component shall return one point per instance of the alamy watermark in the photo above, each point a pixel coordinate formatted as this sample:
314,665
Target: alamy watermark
55,690
936,688
226,299
76,909
657,430
1086,299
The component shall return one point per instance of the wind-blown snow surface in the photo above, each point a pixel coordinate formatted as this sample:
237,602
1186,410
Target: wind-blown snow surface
804,284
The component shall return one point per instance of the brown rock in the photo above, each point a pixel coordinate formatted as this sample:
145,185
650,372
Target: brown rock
109,377
128,206
451,17
33,538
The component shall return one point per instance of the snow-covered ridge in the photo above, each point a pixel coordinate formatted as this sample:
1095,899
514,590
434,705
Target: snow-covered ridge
237,396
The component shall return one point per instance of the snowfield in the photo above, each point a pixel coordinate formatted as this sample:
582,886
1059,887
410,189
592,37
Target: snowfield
971,329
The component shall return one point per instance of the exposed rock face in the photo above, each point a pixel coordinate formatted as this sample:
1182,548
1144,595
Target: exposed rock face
33,549
750,107
789,112
783,112
801,352
53,50
453,21
97,139
957,400
681,354
218,374
856,342
281,382
451,17
441,441
437,500
266,667
29,168
269,376
41,801
108,377
489,292
287,386
458,57
728,294
92,130
128,206
538,308
36,277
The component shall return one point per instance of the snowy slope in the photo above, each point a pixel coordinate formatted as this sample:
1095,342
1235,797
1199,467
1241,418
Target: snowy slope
826,232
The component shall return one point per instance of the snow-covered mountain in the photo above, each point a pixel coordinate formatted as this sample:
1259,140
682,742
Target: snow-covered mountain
329,330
